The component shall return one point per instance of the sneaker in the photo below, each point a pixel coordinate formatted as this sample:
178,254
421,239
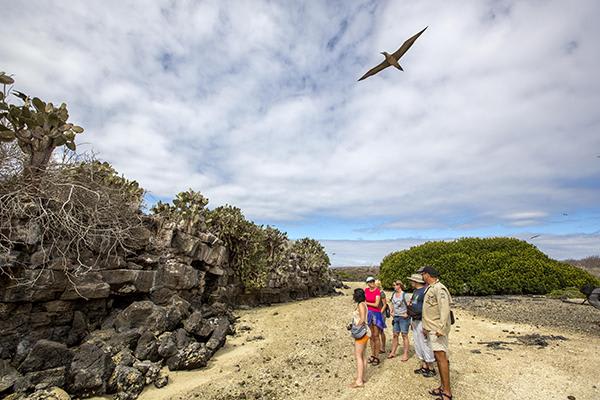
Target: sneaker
429,373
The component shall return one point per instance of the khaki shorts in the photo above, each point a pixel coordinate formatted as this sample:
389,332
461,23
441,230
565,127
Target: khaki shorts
438,343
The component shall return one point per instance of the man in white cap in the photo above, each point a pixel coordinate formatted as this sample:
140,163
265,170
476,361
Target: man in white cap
415,309
436,326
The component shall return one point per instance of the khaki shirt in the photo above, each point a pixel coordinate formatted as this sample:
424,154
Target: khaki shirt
436,309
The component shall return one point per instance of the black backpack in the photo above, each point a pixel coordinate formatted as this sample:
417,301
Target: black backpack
410,310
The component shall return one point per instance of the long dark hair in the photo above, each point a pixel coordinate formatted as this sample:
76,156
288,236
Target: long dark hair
359,295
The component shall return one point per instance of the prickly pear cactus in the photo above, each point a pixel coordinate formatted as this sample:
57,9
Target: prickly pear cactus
38,127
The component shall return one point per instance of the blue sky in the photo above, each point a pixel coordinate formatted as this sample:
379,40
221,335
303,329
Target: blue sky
492,128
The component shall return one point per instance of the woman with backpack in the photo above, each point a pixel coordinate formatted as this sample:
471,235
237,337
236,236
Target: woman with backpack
401,319
360,328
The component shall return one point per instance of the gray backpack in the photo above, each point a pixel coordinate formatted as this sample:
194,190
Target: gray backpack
358,331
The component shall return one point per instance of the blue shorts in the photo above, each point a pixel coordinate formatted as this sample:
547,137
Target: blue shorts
401,324
375,318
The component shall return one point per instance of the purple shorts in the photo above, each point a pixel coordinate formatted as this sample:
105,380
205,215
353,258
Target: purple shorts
375,318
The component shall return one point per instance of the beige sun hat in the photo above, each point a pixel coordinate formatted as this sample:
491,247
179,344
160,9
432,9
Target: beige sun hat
416,278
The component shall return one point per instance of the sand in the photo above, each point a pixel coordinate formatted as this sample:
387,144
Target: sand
302,350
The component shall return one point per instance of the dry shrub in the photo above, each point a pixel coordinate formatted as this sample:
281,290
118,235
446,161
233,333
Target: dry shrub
71,217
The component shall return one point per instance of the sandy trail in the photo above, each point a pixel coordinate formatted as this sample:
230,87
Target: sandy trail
302,351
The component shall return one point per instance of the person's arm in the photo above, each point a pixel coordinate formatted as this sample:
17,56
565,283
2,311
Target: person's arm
443,299
362,314
376,304
385,303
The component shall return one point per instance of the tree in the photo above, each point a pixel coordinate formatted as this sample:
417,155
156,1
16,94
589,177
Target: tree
36,126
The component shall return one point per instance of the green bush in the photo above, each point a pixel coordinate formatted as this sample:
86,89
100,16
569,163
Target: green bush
473,266
568,293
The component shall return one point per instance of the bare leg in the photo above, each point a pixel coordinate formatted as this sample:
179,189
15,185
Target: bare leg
364,358
372,340
444,367
375,341
382,336
359,353
394,346
405,347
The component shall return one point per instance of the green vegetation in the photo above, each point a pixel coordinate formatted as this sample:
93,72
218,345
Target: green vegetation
311,255
567,293
355,274
37,127
473,266
254,250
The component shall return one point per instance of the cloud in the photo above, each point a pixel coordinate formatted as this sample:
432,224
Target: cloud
492,126
525,215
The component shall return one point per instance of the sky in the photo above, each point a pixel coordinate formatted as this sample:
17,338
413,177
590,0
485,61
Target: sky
491,130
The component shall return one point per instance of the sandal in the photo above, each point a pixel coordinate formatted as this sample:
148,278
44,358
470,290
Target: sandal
437,392
429,373
376,361
443,396
370,360
353,385
391,355
420,370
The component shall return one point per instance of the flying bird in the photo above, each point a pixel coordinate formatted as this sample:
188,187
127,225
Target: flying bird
392,59
534,236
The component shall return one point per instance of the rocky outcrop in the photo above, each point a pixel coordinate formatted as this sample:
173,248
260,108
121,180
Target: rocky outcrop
168,303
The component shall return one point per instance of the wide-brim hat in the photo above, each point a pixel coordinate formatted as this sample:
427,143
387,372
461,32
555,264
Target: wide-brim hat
416,278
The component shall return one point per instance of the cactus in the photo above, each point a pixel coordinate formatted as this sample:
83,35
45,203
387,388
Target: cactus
5,79
38,127
312,252
102,173
188,210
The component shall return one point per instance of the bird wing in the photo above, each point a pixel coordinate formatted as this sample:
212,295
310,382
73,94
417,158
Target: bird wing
383,65
406,45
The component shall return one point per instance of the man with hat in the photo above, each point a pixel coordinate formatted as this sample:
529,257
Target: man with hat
415,307
436,327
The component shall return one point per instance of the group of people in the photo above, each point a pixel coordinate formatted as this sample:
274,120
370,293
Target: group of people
425,311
